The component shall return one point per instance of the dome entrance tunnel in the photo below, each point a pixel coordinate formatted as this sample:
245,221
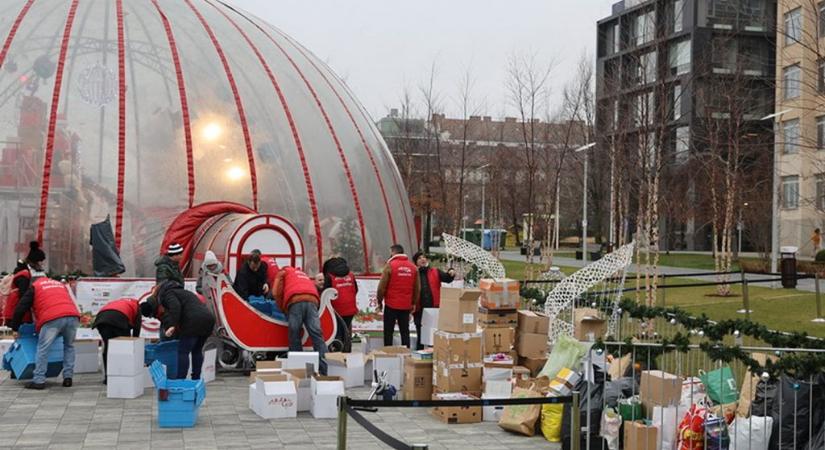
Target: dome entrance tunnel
144,110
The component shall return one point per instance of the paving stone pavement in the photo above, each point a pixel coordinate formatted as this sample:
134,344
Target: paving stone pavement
82,417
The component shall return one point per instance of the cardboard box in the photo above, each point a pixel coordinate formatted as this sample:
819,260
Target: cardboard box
532,345
325,392
498,388
533,365
457,414
638,436
125,357
252,397
128,387
5,344
265,368
208,368
499,293
658,388
299,360
429,324
533,322
458,362
498,340
87,357
491,413
491,318
391,360
304,387
275,397
589,324
497,370
564,382
521,373
348,366
418,379
458,310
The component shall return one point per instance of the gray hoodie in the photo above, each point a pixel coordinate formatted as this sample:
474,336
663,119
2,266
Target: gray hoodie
209,259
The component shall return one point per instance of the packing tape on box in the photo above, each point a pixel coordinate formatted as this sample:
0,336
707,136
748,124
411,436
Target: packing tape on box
445,368
463,336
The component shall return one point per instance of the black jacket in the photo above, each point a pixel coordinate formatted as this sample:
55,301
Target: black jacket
248,283
118,320
184,311
426,296
167,269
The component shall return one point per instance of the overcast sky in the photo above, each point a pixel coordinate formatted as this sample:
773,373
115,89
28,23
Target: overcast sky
378,46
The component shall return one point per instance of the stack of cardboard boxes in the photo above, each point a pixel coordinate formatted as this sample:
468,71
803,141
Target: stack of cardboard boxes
531,344
125,363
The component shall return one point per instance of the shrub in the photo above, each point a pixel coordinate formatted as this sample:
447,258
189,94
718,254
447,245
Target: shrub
820,256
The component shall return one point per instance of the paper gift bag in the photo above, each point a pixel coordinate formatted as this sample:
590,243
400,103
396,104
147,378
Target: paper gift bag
521,418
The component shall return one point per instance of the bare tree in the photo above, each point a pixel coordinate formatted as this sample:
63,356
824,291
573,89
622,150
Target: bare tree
470,128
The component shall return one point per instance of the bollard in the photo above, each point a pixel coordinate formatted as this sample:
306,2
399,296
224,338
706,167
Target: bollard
342,423
746,303
819,318
575,423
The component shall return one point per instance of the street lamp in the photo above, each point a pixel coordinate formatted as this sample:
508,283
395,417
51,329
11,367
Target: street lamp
483,223
584,199
776,117
739,227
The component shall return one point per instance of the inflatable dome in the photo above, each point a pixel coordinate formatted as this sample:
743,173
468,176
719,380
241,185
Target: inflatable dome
142,110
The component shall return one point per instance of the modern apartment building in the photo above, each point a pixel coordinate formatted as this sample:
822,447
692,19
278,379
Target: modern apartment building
664,72
800,121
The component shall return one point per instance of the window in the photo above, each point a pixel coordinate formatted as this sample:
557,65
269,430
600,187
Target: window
679,56
820,82
790,136
820,192
647,68
677,102
682,150
821,24
820,133
616,38
678,15
791,80
790,192
615,114
643,27
793,26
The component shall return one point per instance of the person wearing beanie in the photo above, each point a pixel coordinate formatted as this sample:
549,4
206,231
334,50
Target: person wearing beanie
430,294
55,314
210,265
36,256
118,318
167,267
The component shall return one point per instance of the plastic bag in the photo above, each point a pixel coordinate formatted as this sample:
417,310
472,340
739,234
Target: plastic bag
666,418
611,425
692,429
751,434
567,352
551,416
693,391
720,385
631,408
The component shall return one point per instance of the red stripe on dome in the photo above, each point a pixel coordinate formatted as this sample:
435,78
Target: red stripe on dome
50,134
292,126
360,135
238,103
121,134
184,104
334,136
13,31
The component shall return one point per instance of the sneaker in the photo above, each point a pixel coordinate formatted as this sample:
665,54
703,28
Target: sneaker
35,386
67,382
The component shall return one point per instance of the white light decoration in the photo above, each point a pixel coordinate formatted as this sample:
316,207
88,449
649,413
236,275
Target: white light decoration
96,85
564,297
487,264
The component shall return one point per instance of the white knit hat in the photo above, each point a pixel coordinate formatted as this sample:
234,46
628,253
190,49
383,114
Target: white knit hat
174,249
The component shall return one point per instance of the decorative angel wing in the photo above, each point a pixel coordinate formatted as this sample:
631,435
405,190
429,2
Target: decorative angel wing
487,264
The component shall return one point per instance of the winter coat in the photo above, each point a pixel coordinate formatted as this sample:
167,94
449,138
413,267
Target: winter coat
167,269
48,300
208,260
184,311
122,313
431,279
249,283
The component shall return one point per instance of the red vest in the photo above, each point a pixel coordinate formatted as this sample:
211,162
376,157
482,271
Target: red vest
400,289
435,286
271,271
126,306
297,282
345,304
52,300
14,298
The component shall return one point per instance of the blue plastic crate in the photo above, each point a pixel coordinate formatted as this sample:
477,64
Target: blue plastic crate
178,400
268,307
166,352
21,356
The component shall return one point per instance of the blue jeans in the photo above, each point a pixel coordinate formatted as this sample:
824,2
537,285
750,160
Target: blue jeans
65,327
305,314
190,345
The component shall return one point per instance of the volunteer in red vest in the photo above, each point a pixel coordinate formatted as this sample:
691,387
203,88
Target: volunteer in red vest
118,318
430,296
55,314
338,275
21,280
297,296
397,294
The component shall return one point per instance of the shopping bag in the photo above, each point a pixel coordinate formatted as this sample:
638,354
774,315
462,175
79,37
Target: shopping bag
551,416
752,433
693,391
521,418
666,419
631,408
720,385
611,426
692,429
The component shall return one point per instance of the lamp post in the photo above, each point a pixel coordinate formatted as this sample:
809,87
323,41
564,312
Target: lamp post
584,199
776,117
464,217
483,223
739,227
